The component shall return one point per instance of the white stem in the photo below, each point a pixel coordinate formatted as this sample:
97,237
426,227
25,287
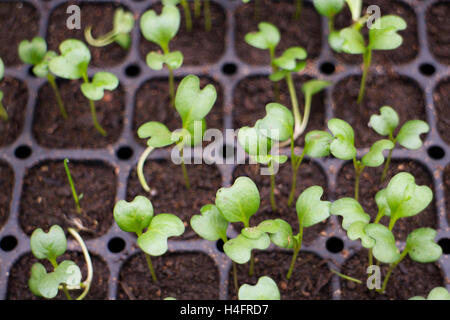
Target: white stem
87,258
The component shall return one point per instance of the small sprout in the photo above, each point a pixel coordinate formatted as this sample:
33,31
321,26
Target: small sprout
161,29
65,275
387,122
329,9
136,216
75,195
438,293
123,23
192,104
3,113
73,64
264,289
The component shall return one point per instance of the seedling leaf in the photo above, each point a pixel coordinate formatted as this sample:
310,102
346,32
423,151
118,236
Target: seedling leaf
409,135
381,200
210,225
101,81
2,69
267,37
48,245
375,157
265,289
438,293
385,123
386,37
355,8
134,216
239,249
352,41
310,209
41,69
278,124
343,144
350,210
32,52
317,144
280,232
329,8
159,135
421,246
384,248
73,62
357,231
314,86
291,59
157,60
253,142
161,28
123,21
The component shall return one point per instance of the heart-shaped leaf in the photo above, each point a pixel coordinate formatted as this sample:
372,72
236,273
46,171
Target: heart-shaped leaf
310,209
280,232
278,75
32,52
41,69
238,202
381,201
134,216
210,225
409,134
160,29
314,86
123,21
355,7
385,123
421,246
375,157
317,144
123,40
291,59
253,142
240,248
352,41
264,289
266,159
267,37
101,81
73,62
386,37
343,144
46,285
336,41
48,245
384,248
357,231
278,124
350,210
329,8
438,293
162,226
159,135
157,60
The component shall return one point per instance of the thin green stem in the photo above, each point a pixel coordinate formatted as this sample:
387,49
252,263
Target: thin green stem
150,267
207,14
251,270
62,109
256,10
140,168
185,173
359,168
101,41
343,276
295,108
197,8
370,257
276,85
291,268
386,166
297,247
295,163
72,186
94,118
187,15
87,259
3,113
272,187
391,269
171,87
298,9
331,24
367,57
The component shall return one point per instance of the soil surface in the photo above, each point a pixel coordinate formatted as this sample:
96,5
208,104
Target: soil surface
15,97
401,93
305,32
370,185
199,47
438,30
21,270
409,279
51,130
153,104
47,198
14,16
441,97
309,174
253,93
310,279
407,52
168,191
6,185
100,17
447,190
188,276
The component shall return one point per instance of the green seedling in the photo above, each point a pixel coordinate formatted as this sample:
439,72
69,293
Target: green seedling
3,113
192,104
123,23
75,195
160,29
152,231
329,9
408,136
35,53
438,293
66,275
72,64
186,10
264,289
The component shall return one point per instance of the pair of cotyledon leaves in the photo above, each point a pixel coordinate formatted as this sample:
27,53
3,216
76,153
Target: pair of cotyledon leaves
153,231
401,198
35,52
123,23
192,104
239,203
50,246
438,293
264,289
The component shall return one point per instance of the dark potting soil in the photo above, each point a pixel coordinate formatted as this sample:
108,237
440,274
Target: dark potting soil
47,197
15,96
401,93
187,276
447,190
309,174
441,97
168,191
14,16
100,17
409,279
305,32
51,130
438,30
153,104
253,93
405,53
310,279
6,185
199,47
20,273
370,185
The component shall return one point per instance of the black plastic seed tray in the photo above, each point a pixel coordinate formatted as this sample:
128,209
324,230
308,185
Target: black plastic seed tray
25,152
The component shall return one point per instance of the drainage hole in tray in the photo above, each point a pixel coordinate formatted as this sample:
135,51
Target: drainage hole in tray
436,152
334,245
22,152
8,243
229,69
124,153
327,68
219,245
116,245
445,245
133,70
427,69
